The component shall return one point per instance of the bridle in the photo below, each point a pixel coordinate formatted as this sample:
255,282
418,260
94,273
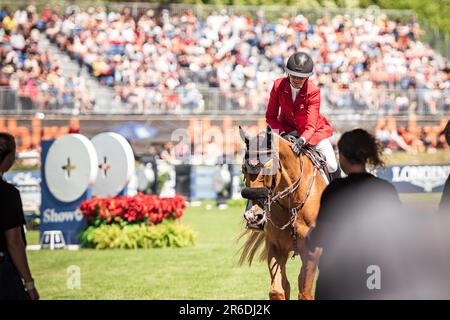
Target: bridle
271,197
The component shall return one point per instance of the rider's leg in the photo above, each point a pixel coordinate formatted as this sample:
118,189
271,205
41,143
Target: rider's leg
326,148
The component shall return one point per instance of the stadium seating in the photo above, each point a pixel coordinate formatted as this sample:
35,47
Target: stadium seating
169,62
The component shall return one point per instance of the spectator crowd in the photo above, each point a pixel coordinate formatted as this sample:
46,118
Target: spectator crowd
410,137
35,74
162,61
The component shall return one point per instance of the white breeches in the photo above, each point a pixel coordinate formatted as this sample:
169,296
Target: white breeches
326,148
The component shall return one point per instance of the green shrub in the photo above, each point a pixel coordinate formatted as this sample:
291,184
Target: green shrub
115,236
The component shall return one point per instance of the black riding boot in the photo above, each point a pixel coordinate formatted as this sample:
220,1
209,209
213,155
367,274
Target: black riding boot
336,174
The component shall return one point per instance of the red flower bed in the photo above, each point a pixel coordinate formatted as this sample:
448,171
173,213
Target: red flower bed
140,208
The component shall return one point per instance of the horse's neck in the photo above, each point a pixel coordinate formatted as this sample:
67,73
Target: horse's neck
292,166
289,163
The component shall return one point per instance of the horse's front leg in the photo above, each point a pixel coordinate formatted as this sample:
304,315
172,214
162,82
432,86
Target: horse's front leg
310,261
280,288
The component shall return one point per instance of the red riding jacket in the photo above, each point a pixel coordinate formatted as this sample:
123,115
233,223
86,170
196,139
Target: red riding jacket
303,115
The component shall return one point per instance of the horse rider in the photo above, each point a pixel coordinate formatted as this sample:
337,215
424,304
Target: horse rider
294,110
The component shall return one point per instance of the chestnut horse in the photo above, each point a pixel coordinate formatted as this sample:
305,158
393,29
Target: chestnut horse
286,190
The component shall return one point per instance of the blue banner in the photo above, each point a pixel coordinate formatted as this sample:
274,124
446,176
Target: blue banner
57,215
202,182
416,178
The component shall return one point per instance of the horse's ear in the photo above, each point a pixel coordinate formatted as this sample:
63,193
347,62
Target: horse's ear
243,135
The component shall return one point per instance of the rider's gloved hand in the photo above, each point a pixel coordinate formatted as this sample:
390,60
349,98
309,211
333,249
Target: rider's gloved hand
289,137
298,144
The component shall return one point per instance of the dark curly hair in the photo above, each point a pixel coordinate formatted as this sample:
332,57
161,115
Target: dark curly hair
447,132
7,145
359,146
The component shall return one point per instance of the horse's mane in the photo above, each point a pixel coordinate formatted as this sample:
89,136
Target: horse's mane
251,246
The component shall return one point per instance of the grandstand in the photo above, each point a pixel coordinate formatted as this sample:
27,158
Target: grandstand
179,60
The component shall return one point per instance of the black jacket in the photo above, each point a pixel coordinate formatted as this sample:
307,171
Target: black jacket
444,205
352,212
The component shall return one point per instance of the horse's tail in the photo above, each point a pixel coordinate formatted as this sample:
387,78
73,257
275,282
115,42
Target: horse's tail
251,246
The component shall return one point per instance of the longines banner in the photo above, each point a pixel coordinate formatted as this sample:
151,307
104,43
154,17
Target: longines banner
416,178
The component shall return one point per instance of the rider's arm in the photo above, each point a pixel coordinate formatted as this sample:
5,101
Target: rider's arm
312,115
273,109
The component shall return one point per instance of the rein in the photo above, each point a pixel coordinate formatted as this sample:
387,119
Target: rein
287,192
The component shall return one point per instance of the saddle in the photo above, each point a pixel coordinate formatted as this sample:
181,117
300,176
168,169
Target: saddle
318,159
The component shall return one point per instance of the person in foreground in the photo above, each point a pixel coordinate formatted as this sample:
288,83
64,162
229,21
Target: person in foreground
16,282
352,212
444,205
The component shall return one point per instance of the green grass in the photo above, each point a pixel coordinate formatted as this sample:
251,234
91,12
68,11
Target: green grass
32,237
207,271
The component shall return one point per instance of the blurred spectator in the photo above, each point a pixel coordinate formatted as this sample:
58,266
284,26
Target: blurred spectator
212,152
168,153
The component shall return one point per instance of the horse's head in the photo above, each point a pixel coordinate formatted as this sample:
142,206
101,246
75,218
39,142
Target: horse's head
260,161
260,166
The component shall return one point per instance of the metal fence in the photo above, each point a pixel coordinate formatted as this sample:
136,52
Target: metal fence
216,101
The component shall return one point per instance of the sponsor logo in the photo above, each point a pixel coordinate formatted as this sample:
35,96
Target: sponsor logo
426,177
51,216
